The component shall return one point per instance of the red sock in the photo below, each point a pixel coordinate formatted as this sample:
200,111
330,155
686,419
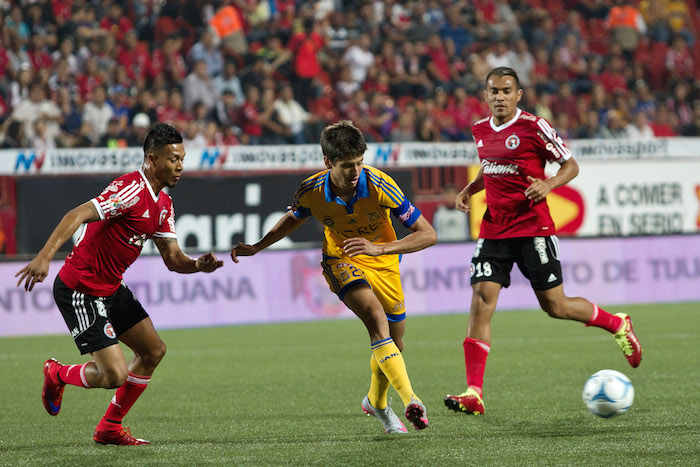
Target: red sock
122,401
475,354
73,374
603,319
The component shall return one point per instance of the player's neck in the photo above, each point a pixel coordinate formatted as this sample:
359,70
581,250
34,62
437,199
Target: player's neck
344,195
503,120
155,184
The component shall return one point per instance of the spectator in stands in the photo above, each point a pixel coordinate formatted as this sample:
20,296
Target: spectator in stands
410,73
664,123
679,63
639,129
293,116
589,127
523,62
115,22
193,136
615,127
33,108
114,136
19,88
229,81
199,87
11,134
405,129
134,57
276,58
359,58
227,109
71,109
305,46
168,60
382,114
626,25
455,28
678,103
250,118
97,113
205,50
140,126
693,128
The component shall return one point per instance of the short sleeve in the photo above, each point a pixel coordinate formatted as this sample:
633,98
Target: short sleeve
166,226
391,196
117,199
298,208
550,145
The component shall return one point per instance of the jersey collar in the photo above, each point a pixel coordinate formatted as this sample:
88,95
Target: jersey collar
148,185
506,124
362,191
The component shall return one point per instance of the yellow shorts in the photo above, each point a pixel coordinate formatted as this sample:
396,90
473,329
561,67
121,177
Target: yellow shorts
343,274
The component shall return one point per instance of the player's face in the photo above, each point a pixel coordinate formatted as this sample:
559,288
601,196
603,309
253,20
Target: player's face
502,96
168,164
345,173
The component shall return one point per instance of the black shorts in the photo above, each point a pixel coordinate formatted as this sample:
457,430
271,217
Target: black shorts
97,322
536,257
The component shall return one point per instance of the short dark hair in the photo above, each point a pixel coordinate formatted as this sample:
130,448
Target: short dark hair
342,140
502,71
160,135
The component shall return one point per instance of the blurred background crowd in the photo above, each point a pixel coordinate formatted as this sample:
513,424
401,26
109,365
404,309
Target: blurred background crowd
90,73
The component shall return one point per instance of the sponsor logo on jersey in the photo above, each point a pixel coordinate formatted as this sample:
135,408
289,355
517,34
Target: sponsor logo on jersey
109,331
512,142
372,216
495,168
525,116
342,265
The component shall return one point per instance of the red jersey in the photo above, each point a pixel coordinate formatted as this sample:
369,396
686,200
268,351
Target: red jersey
508,154
130,214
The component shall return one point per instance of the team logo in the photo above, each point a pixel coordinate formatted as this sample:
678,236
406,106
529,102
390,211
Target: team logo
329,222
372,216
109,331
471,270
162,216
512,142
101,308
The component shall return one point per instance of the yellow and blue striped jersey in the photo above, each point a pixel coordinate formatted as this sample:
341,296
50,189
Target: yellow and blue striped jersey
366,215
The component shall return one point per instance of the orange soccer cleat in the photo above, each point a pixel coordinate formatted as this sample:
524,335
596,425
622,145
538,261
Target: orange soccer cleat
120,437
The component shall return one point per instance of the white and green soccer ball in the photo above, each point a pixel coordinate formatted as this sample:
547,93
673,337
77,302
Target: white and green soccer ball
608,393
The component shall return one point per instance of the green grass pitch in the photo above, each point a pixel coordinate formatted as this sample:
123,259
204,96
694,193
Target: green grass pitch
289,394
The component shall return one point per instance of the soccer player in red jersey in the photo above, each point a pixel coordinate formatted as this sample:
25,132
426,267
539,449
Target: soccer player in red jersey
98,308
513,147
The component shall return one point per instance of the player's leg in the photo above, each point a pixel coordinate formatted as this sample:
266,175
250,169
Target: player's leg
364,303
135,329
540,263
490,271
93,333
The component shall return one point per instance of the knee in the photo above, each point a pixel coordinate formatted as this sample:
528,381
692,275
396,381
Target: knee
555,309
153,357
114,377
481,303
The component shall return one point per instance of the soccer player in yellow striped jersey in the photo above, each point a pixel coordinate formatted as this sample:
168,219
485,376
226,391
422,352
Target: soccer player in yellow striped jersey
361,257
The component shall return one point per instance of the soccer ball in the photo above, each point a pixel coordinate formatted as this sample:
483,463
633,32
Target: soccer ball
608,393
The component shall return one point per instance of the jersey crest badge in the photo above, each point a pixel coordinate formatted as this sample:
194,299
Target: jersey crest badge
162,216
512,142
109,331
372,216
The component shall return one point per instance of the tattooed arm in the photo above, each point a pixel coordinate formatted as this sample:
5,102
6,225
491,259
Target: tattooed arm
176,260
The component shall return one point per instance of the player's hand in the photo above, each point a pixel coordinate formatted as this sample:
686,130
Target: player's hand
35,271
208,263
462,200
361,246
538,190
242,249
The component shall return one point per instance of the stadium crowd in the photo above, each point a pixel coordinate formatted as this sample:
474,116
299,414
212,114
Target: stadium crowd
90,73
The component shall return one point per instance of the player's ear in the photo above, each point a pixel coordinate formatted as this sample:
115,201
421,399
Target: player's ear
520,94
327,162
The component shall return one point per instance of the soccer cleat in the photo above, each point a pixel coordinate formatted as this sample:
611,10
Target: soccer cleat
120,437
628,342
469,402
392,424
52,392
416,414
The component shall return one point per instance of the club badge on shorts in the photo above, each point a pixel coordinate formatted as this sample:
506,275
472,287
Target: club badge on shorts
109,331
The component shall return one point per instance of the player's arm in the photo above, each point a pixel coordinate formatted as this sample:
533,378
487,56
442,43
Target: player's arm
539,189
473,187
285,226
38,268
176,259
422,236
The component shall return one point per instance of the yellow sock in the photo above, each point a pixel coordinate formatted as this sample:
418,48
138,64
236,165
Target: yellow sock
378,385
391,363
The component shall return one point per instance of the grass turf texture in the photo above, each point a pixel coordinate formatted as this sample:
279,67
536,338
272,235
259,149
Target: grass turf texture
291,393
